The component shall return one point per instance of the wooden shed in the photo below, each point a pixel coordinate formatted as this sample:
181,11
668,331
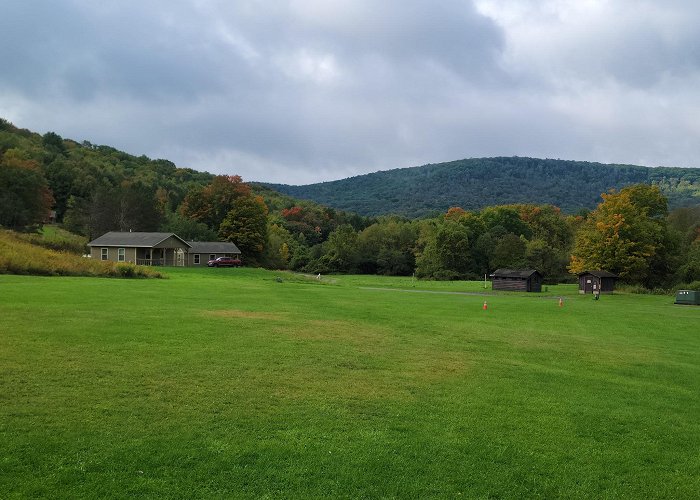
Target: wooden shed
590,281
517,280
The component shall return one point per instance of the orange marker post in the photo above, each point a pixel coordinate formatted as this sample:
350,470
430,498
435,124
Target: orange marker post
561,302
485,306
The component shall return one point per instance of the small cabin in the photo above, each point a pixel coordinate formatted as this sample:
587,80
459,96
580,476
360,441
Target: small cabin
517,280
596,281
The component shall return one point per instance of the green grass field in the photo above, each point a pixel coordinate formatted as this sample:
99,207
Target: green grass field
219,383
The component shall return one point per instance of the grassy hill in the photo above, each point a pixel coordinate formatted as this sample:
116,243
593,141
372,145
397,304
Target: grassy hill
479,182
342,388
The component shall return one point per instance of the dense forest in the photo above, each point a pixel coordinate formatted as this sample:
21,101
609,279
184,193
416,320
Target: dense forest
631,231
480,182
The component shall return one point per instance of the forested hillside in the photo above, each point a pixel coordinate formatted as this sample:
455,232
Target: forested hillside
85,181
479,182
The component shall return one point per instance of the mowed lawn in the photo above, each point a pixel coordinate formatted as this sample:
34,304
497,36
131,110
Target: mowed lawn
229,383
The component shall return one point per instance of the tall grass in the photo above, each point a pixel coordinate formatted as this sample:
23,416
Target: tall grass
55,238
18,255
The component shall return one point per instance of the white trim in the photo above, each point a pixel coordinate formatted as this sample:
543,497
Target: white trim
104,253
121,254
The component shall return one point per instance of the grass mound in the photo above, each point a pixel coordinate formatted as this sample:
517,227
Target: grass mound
20,255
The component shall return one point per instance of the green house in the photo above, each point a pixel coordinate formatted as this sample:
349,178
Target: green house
688,297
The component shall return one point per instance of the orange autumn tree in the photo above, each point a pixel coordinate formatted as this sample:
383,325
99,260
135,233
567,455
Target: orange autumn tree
210,204
626,234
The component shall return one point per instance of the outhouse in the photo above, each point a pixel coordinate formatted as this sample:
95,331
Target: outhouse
592,281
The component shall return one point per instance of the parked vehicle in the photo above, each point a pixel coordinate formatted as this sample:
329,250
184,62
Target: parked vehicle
224,262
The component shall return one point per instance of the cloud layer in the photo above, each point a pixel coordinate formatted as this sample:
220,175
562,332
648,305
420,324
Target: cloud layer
308,90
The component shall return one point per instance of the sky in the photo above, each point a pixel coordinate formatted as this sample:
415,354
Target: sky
303,91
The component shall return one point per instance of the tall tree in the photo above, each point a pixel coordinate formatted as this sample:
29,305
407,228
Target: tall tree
445,252
387,247
212,203
25,198
246,226
278,248
340,250
626,234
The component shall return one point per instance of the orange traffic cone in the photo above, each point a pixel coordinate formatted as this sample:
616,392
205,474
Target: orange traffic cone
485,306
561,302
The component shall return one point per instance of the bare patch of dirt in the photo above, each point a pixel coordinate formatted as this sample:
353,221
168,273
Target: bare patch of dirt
237,314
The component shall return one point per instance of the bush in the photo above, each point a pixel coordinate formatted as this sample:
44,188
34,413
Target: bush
693,285
641,290
125,270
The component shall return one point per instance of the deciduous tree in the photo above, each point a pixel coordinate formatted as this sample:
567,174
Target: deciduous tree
212,203
25,198
626,234
246,226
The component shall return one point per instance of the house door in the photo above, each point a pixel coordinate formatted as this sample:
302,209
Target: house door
588,286
179,257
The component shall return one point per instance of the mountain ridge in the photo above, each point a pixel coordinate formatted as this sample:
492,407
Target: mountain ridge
474,183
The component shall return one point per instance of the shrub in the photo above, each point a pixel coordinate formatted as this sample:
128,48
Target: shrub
693,285
641,290
125,270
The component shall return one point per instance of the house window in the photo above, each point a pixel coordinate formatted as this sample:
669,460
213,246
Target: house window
196,258
121,255
212,256
104,254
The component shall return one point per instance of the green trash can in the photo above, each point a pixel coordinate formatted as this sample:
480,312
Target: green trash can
688,297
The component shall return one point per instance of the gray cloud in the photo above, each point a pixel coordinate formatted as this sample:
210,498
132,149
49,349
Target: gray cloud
310,90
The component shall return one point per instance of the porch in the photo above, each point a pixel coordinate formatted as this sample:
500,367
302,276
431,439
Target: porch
160,257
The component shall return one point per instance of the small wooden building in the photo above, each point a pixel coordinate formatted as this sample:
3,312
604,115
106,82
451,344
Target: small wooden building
590,281
517,280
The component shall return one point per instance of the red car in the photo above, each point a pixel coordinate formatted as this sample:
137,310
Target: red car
224,262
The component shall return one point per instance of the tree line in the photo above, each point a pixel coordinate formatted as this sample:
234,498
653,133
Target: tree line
630,232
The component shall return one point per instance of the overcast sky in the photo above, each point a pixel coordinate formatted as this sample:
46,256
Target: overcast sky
302,91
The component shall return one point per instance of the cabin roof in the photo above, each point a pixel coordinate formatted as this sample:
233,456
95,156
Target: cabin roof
600,274
212,247
132,239
514,273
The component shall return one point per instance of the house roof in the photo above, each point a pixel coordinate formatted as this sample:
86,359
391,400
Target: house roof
212,247
600,274
132,239
514,273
